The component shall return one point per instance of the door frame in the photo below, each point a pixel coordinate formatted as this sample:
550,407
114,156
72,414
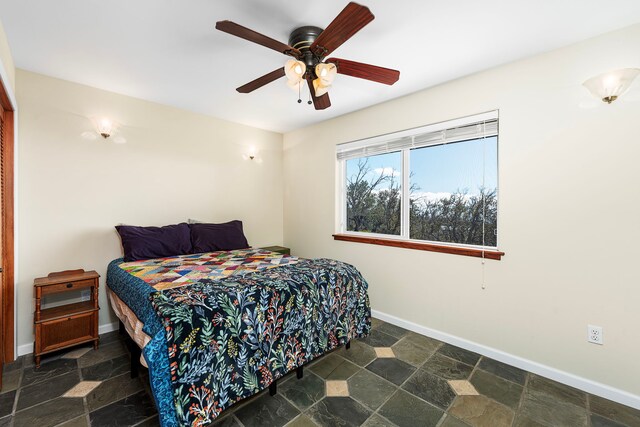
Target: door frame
7,224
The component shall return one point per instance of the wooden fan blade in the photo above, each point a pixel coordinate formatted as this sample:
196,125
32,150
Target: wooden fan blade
261,81
319,102
253,36
366,71
348,22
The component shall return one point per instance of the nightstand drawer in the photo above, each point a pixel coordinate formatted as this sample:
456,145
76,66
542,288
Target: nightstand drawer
68,286
66,331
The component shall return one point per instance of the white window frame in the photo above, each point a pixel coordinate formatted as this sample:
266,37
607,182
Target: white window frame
341,169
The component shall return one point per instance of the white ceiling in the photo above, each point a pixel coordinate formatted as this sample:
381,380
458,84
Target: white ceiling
169,52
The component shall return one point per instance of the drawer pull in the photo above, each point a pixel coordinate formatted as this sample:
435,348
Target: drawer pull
69,285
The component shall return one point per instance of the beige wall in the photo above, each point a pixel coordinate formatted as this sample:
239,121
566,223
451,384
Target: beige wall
568,214
6,61
175,165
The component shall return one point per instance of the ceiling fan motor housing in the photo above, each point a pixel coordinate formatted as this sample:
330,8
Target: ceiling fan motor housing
301,38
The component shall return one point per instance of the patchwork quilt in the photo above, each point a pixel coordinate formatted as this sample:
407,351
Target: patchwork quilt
165,273
218,338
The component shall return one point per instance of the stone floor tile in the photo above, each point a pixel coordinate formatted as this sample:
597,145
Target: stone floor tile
459,354
13,366
337,388
384,352
11,380
82,389
6,402
303,392
376,323
376,420
524,421
547,409
107,369
447,368
104,352
28,360
370,389
46,390
77,353
267,411
451,421
129,411
228,421
393,330
598,421
360,353
33,375
113,390
560,392
110,337
463,388
339,411
379,339
6,421
431,388
403,409
50,413
334,367
503,370
496,388
81,421
409,352
480,411
423,341
302,421
393,370
614,411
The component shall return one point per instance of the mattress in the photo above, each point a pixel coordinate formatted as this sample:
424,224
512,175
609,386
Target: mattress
216,328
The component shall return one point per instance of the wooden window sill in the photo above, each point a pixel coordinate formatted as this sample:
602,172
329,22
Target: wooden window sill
457,250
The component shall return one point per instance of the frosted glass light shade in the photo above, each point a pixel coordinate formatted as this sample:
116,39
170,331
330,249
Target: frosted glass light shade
319,88
105,127
326,73
294,70
609,86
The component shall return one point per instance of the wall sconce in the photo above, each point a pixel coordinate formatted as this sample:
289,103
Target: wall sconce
105,127
611,85
251,153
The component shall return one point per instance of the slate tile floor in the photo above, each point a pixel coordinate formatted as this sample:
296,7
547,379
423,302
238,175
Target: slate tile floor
394,378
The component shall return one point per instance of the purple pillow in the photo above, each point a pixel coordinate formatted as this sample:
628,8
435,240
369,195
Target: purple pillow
154,242
217,237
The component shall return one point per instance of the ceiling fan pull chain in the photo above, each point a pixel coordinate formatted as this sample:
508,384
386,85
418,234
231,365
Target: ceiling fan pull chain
299,97
309,101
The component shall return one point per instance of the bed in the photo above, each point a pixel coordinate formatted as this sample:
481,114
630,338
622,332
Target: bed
218,327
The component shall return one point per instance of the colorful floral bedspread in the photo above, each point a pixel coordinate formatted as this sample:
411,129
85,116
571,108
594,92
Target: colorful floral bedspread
165,273
218,340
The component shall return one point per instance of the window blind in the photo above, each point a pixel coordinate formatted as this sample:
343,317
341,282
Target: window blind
458,130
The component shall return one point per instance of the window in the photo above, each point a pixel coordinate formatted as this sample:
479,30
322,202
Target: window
435,185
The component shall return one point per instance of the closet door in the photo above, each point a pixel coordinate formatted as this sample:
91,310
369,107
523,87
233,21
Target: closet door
6,228
1,241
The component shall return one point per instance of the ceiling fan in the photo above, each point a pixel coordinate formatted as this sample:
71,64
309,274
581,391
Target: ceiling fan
309,46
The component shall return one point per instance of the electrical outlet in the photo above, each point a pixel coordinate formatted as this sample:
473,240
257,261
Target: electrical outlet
594,334
85,295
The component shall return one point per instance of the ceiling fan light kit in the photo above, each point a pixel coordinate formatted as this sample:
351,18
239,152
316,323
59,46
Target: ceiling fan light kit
310,46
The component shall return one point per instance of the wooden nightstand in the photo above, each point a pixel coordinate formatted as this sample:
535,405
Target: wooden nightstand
69,324
280,249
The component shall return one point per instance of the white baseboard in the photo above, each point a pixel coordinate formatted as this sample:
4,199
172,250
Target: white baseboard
102,329
572,380
109,327
25,349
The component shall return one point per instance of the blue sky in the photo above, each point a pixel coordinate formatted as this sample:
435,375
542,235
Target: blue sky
443,168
